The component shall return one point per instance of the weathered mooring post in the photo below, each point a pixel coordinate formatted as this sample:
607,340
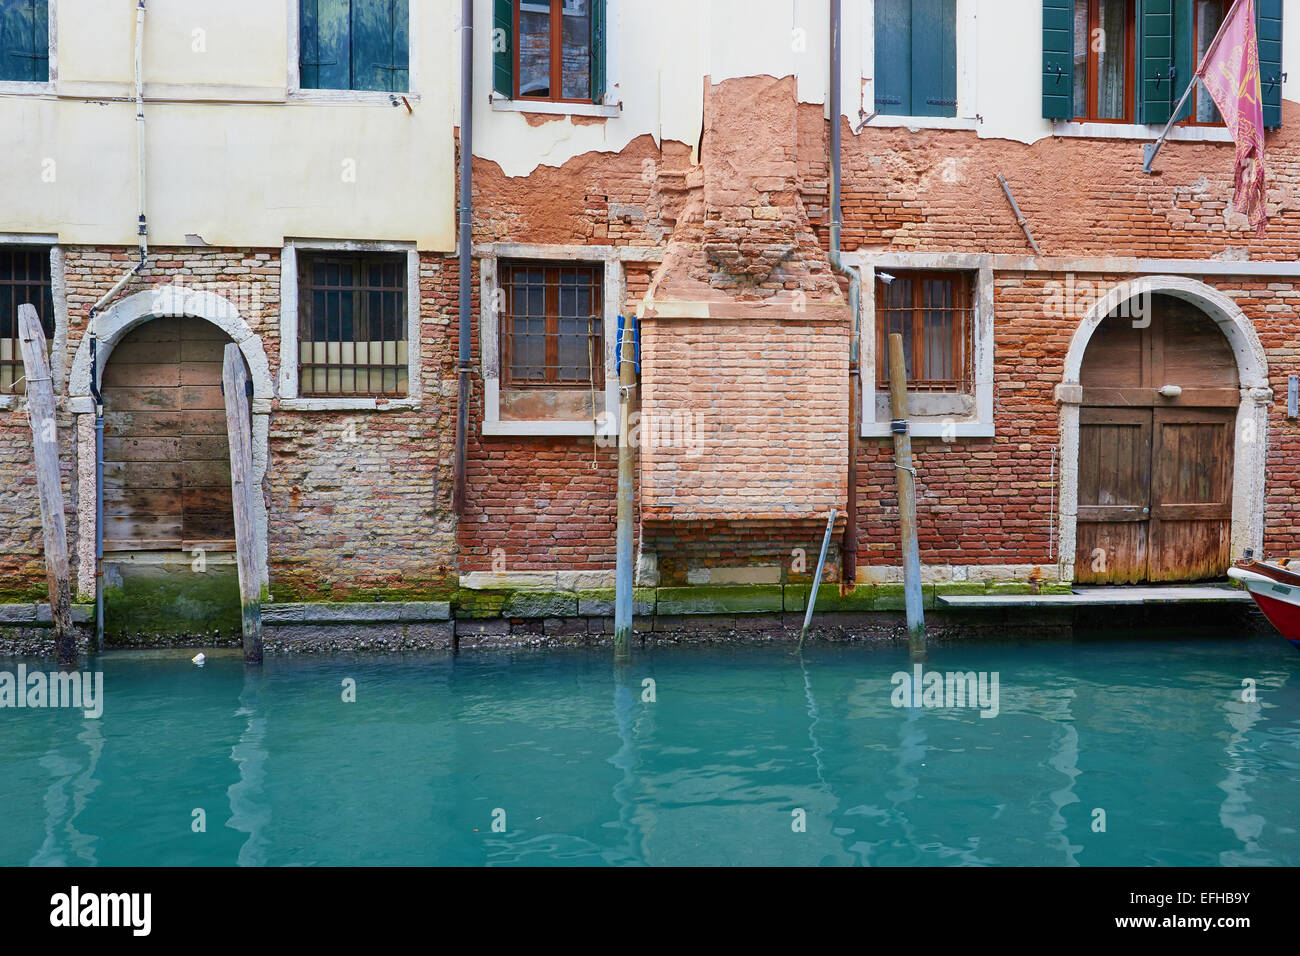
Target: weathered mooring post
45,446
236,386
623,580
906,498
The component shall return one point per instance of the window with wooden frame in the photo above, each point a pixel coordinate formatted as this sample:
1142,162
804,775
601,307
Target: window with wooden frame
25,41
549,50
552,330
916,57
24,280
1105,37
352,325
932,311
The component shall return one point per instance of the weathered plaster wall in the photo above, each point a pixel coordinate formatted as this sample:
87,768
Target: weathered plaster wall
234,155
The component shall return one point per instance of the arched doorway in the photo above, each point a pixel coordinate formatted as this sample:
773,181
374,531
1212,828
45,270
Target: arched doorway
1157,425
166,452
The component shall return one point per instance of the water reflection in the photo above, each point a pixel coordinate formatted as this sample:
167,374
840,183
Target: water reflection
67,797
250,812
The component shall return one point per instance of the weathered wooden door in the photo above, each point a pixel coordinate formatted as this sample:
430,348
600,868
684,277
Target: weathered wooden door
166,454
1156,434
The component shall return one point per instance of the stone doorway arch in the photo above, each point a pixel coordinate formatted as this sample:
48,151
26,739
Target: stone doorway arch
169,301
1251,427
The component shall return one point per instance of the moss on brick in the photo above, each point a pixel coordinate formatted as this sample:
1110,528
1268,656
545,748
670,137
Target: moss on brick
747,599
540,603
468,603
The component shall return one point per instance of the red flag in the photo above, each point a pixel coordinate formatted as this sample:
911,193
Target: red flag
1230,71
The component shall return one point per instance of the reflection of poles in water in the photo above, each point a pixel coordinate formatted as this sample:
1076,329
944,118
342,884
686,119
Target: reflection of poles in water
249,811
1065,760
627,758
1234,811
59,805
814,714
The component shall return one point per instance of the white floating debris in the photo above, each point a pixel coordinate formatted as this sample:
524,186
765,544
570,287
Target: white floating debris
198,659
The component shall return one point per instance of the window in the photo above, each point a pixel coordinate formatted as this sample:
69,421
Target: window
25,41
1104,38
1208,18
354,45
552,333
1130,61
916,57
550,50
352,325
24,279
932,311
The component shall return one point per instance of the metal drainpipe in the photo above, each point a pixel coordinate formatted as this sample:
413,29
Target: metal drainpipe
849,547
142,232
466,245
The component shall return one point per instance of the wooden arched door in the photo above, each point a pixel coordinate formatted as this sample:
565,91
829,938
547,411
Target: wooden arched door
166,452
1156,436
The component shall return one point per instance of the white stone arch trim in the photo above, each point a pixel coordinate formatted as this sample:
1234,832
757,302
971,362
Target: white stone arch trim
1251,443
168,301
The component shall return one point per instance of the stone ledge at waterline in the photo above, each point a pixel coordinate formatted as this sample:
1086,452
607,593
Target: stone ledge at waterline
532,616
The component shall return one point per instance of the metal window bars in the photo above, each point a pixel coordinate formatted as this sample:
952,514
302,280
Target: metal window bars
352,322
553,324
24,279
933,312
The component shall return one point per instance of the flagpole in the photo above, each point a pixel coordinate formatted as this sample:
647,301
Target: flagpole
1149,150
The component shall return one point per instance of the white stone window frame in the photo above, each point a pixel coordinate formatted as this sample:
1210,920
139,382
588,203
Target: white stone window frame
612,105
978,425
288,386
293,81
967,50
59,295
48,86
490,337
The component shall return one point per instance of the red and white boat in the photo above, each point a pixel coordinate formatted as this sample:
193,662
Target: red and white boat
1276,589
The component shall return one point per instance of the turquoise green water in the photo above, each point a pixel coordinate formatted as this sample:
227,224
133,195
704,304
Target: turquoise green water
578,769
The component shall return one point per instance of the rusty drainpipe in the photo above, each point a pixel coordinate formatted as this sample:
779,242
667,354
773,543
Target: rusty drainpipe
849,546
466,246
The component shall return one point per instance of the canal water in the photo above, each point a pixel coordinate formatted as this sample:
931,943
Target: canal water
1127,753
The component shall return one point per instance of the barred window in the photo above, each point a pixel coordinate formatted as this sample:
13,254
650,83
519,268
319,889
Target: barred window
24,279
932,311
552,333
352,323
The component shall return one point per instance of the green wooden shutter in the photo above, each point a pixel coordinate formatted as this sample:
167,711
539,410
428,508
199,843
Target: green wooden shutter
597,51
1269,28
24,41
1058,59
325,45
503,47
380,55
934,58
894,57
1156,60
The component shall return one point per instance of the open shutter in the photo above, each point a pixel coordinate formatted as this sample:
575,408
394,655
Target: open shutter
934,58
1156,60
503,47
1058,59
24,41
597,51
379,45
894,57
1269,28
325,45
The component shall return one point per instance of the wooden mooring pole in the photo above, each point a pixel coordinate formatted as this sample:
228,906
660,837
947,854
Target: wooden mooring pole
236,386
906,498
45,443
624,576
